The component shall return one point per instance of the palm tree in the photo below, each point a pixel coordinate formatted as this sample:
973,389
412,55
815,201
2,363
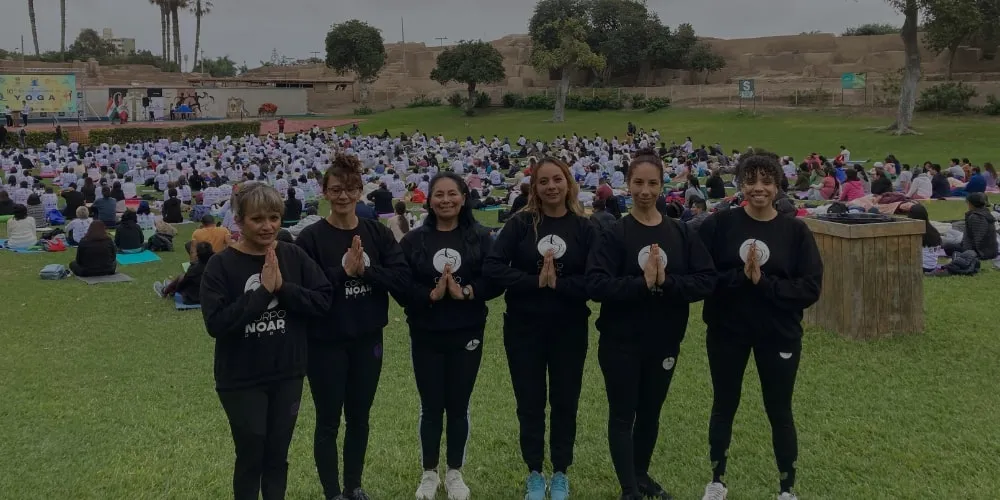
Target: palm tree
175,7
164,26
34,27
201,8
62,29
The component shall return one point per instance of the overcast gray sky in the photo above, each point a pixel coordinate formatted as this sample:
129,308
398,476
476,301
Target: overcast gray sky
248,30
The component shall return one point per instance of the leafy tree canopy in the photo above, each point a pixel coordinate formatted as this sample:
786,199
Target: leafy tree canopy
872,29
355,46
469,62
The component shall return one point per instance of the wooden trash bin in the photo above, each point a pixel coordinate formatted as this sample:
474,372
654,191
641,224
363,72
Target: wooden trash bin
872,278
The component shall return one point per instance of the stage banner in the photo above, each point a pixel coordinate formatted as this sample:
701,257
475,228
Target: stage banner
44,93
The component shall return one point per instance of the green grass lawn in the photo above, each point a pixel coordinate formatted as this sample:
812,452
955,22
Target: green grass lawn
107,391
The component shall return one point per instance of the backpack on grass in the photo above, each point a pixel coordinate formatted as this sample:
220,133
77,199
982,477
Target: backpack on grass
53,272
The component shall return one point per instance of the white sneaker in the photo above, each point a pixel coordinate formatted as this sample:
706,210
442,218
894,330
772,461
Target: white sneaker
429,483
455,485
716,491
158,288
787,496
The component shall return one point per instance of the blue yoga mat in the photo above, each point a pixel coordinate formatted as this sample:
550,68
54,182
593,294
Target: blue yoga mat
491,209
181,306
21,250
137,258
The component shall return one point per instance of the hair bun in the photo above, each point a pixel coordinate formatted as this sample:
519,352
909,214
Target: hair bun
348,162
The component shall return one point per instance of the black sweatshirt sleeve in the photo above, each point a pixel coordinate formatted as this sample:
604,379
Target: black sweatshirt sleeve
603,281
391,272
335,275
413,294
313,296
223,316
498,263
803,290
699,280
575,286
483,287
732,278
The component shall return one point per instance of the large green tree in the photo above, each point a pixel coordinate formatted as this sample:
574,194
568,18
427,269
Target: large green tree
620,30
949,24
356,46
471,63
702,58
559,35
220,67
90,45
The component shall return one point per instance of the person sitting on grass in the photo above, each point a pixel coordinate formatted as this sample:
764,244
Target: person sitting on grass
852,189
36,210
77,228
980,229
188,284
940,187
21,233
129,237
96,254
931,239
6,204
293,206
105,208
172,208
217,236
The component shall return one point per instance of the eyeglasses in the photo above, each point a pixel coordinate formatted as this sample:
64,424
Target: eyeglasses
337,191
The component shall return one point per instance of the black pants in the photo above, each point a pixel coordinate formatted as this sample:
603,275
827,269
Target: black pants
777,364
262,420
537,359
636,378
343,377
445,366
10,120
24,120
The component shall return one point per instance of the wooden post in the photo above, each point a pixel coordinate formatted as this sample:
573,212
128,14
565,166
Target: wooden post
873,281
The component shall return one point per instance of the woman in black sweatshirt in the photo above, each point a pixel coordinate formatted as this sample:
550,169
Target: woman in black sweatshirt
645,272
96,253
446,310
129,237
363,262
258,297
769,272
540,257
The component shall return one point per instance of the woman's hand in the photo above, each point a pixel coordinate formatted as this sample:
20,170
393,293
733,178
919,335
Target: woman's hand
550,264
752,268
270,275
661,269
437,293
454,290
652,268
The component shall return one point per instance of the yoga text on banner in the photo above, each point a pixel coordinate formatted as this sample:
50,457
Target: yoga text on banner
43,93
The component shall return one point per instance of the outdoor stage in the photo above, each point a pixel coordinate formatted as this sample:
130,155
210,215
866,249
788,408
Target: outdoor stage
267,126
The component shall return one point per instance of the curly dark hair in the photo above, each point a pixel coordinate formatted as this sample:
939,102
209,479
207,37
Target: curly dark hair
761,165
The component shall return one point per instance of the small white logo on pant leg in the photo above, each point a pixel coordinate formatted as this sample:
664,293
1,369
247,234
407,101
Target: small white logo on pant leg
472,345
785,355
669,363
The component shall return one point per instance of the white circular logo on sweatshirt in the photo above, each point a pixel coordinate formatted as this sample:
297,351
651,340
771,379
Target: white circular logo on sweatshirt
554,243
644,257
763,252
447,256
364,254
252,284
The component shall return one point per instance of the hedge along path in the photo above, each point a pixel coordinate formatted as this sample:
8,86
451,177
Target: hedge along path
139,132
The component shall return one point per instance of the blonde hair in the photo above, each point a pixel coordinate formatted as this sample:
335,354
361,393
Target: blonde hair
82,212
534,206
256,198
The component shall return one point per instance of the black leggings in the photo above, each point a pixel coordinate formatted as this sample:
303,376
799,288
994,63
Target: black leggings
777,364
343,377
536,359
445,366
262,420
636,378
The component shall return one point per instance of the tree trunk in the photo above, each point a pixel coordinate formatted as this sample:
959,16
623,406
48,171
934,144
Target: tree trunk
177,35
197,34
559,115
165,26
951,61
471,105
707,73
62,29
34,27
911,74
363,91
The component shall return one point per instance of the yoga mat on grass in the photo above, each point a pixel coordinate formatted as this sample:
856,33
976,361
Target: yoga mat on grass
181,306
142,257
491,209
34,249
114,278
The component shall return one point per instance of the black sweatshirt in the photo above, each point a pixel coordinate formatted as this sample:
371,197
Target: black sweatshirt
360,305
630,311
791,277
427,250
517,259
260,337
96,257
190,285
129,236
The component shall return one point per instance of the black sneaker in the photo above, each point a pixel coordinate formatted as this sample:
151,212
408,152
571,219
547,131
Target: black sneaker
358,494
648,488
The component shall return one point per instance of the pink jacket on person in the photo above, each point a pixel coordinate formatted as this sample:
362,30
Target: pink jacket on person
829,186
851,190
